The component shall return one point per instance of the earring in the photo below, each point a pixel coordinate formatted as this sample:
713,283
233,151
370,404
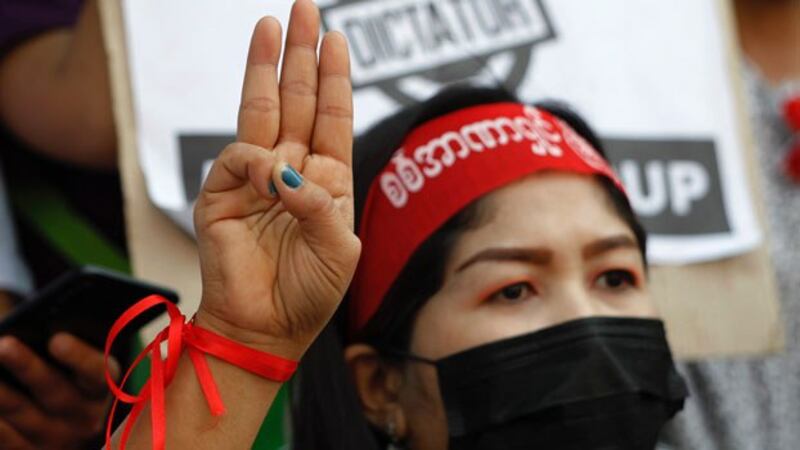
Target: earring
391,431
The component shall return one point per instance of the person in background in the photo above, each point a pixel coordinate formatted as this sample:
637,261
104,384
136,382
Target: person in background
56,127
455,354
62,412
55,89
754,403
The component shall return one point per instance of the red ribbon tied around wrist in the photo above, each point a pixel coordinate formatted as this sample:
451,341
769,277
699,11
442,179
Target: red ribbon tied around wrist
198,342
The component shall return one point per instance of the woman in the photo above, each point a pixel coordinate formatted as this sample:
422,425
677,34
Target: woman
494,239
537,249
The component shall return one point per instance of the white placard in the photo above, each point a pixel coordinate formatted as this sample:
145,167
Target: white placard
650,76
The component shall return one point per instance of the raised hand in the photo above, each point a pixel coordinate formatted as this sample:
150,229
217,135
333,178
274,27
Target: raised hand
274,220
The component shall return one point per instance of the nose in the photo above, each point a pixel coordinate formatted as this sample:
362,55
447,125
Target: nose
571,301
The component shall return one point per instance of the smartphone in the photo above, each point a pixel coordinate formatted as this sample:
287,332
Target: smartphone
84,302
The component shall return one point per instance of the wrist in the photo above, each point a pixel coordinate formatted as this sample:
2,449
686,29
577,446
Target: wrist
254,339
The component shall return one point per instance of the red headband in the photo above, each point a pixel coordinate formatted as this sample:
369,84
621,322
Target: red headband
442,167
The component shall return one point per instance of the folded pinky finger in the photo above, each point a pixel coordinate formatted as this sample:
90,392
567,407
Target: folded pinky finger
11,440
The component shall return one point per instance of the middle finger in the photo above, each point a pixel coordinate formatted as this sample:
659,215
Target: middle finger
259,111
298,85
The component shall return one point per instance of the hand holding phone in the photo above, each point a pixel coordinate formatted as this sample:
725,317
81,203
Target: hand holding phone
62,410
84,302
53,392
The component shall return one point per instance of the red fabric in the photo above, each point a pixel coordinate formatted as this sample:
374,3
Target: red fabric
198,342
792,162
791,111
442,167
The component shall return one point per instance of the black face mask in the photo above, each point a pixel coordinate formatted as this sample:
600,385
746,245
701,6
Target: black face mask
596,383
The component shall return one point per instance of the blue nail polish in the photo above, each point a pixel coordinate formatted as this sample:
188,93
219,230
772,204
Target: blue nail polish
290,177
273,191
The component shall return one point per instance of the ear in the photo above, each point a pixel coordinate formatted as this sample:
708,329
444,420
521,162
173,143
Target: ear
378,385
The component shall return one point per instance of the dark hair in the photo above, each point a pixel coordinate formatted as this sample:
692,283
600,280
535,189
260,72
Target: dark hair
326,409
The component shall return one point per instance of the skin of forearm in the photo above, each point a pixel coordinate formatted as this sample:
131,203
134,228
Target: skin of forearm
55,95
236,429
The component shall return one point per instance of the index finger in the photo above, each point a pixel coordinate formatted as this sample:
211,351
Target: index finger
259,111
333,129
299,84
87,363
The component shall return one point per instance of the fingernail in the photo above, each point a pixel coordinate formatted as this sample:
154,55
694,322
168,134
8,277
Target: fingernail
273,191
290,177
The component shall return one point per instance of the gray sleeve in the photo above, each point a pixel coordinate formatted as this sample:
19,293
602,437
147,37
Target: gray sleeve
14,275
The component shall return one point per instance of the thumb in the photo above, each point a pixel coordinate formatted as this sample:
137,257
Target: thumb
320,222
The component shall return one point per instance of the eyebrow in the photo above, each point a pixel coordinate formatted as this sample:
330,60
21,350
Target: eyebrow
535,256
608,244
542,256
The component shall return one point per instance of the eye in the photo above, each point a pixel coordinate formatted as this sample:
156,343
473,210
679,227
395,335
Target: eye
616,280
513,292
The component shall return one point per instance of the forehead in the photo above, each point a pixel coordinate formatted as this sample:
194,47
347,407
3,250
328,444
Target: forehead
557,210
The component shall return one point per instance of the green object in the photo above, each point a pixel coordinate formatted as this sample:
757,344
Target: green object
44,208
141,373
272,435
77,240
